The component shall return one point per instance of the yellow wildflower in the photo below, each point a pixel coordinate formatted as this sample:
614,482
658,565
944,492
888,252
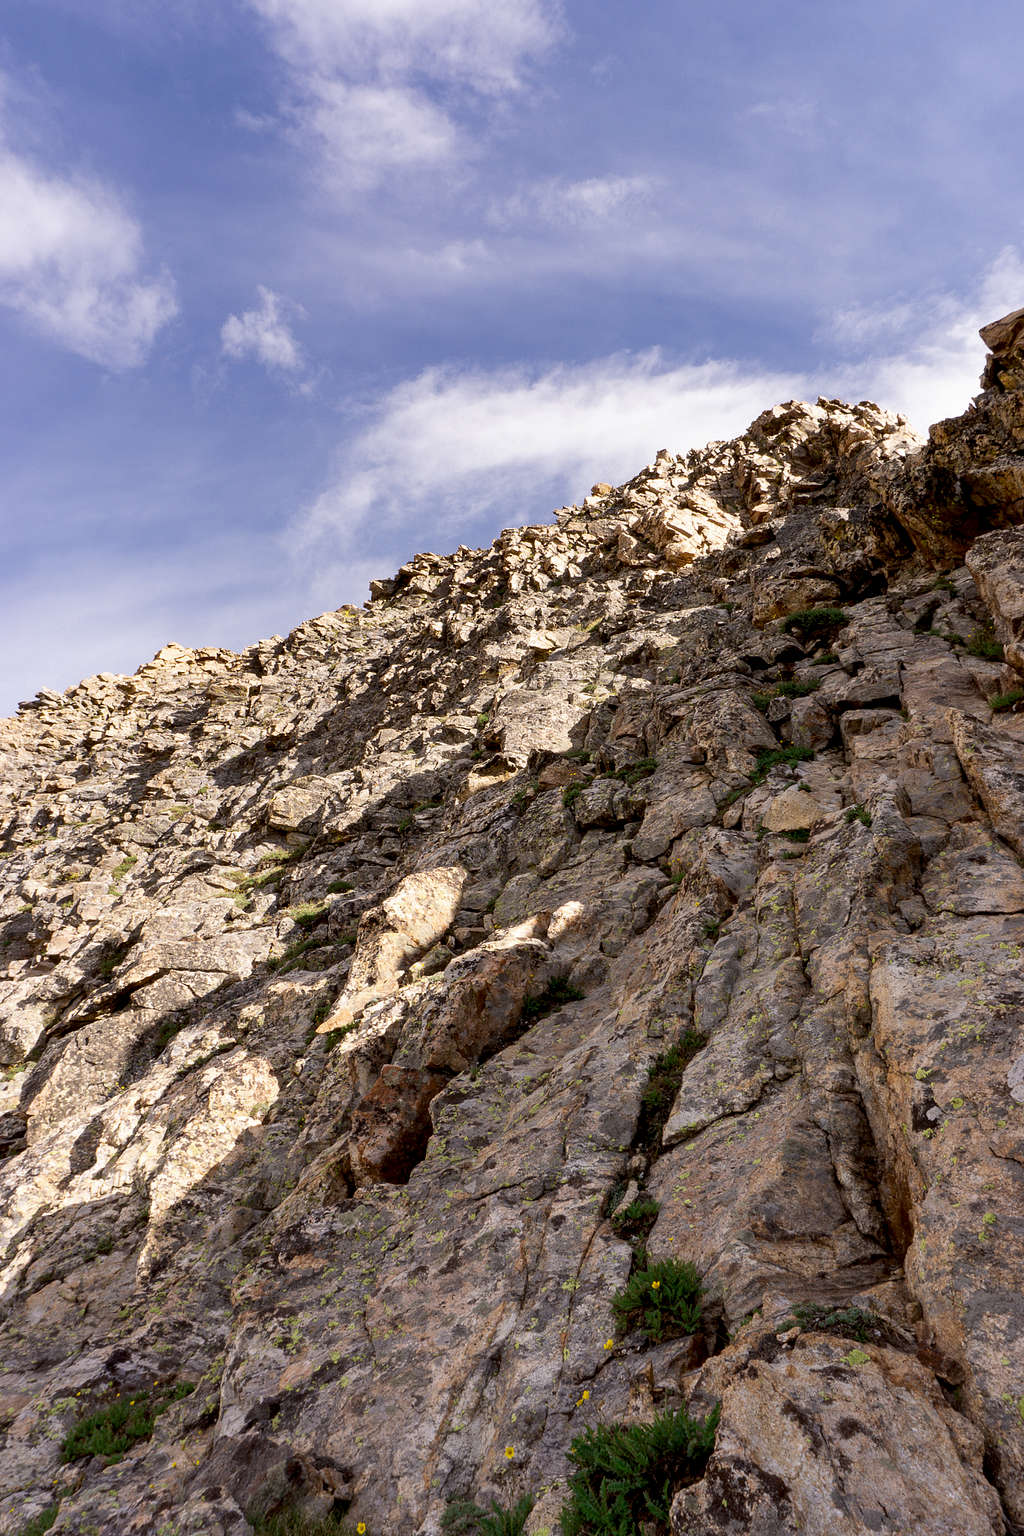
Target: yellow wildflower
586,1393
510,1451
609,1343
655,1284
361,1528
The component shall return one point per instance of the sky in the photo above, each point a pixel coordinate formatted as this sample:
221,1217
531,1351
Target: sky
291,289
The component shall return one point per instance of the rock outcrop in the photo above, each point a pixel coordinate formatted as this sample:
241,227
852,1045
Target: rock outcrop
648,886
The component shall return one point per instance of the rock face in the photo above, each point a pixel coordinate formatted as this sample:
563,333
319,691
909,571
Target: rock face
334,974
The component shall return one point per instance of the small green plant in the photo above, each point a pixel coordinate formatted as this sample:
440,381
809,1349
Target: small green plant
826,659
128,862
481,720
115,1428
662,1086
848,1322
337,886
405,823
858,813
290,1522
792,688
1001,701
815,623
983,643
555,995
293,953
761,701
571,792
626,1475
635,1220
943,584
464,1518
43,1522
798,834
309,913
322,1010
636,771
767,760
662,1298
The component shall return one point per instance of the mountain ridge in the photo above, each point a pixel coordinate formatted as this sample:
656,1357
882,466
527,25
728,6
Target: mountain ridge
338,973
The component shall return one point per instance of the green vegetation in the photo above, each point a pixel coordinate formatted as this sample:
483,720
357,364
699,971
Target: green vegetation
555,995
798,834
983,643
849,1322
663,1299
858,813
662,1086
463,1518
337,886
635,772
826,659
767,760
115,1428
41,1523
571,792
293,953
1007,700
628,1474
790,688
128,862
291,1523
634,1221
308,914
815,623
321,1011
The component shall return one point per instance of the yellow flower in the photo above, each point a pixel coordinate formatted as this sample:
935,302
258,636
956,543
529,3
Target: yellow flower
655,1284
586,1394
510,1451
361,1528
609,1343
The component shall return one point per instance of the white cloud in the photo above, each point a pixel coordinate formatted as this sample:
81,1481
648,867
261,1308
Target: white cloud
560,202
70,259
263,334
366,131
453,452
472,42
924,357
362,72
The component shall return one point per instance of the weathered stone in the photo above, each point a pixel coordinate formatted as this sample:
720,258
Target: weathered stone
312,1113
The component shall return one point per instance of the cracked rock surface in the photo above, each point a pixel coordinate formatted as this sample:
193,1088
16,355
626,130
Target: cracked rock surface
333,974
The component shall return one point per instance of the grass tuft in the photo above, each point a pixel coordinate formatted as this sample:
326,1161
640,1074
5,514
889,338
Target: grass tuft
815,623
555,995
626,1475
464,1518
662,1086
112,1430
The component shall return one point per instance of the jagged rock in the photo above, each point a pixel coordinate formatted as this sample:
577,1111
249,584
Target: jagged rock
334,975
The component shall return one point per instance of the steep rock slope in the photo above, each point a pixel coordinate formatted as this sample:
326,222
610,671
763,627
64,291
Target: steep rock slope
334,975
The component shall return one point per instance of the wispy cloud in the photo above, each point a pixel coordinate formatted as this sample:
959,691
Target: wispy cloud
923,356
462,452
71,262
559,201
264,335
375,83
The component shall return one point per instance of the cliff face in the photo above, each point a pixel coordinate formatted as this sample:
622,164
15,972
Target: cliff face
374,999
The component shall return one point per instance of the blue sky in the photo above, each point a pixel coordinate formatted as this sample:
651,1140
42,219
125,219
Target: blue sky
290,289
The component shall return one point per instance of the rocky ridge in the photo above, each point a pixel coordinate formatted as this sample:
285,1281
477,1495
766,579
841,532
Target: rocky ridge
333,975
